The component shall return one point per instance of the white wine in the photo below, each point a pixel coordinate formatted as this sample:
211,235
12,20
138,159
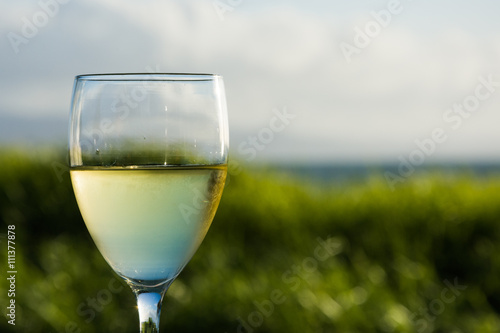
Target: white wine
148,222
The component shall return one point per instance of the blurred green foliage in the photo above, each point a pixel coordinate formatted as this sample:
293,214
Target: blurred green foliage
282,255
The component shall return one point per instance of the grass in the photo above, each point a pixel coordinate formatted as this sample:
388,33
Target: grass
281,256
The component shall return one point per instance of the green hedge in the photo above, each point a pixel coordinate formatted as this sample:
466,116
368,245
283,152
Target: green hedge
281,256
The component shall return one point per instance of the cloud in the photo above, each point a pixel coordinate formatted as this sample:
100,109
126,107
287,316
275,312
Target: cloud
271,55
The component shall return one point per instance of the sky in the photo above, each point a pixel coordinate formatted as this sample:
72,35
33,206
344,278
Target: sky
359,81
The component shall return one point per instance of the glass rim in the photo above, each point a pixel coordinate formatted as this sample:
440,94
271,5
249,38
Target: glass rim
148,77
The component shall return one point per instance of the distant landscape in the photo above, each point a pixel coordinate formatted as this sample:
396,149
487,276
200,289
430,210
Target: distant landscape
284,254
34,130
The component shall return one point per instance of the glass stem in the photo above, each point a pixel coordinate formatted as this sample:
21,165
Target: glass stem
149,300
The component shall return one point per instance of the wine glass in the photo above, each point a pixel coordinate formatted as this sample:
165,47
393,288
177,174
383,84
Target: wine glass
148,162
